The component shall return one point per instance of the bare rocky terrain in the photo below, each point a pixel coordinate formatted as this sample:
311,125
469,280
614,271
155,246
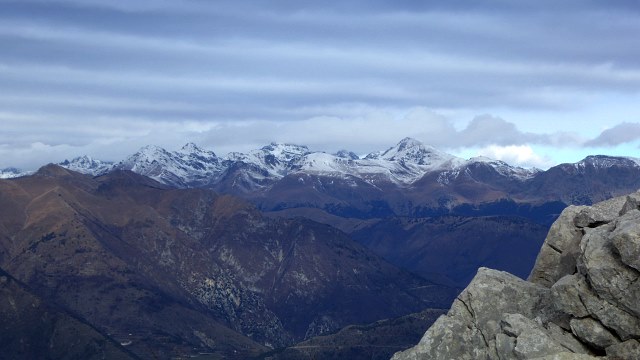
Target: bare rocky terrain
581,300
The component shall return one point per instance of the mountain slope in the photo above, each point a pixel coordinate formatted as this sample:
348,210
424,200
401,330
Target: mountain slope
454,246
591,180
35,329
189,269
96,255
378,340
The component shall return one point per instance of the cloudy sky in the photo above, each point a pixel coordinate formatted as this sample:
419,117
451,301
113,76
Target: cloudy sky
533,82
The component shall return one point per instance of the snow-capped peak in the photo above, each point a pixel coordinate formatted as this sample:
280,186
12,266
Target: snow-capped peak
190,148
401,146
504,168
482,159
192,153
605,161
151,151
189,166
87,165
145,158
409,142
11,172
345,154
402,164
276,159
412,151
286,152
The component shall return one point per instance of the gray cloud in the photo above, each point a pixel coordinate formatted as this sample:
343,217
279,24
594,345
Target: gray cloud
106,77
379,130
487,130
491,130
376,129
620,134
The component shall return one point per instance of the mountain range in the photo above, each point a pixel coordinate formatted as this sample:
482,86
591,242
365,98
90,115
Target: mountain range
408,179
404,191
192,166
409,165
172,253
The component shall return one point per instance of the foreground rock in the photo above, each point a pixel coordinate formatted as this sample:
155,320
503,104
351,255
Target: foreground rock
582,300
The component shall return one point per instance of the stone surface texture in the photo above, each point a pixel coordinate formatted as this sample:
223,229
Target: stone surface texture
582,299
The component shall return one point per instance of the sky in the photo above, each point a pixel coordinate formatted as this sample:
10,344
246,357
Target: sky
531,82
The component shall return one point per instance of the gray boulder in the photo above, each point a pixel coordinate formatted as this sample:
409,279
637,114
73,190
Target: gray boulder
593,333
498,316
559,251
628,350
572,295
582,300
567,356
626,239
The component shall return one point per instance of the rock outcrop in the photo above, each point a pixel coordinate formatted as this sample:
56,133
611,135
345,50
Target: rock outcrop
582,299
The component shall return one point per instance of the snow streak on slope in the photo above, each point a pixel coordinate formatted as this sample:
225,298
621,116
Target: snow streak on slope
504,168
603,162
11,172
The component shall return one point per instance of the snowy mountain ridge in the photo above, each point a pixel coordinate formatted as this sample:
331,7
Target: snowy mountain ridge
88,165
11,172
191,166
276,159
186,167
604,161
403,164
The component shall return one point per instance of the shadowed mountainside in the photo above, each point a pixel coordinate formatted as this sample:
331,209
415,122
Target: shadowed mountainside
32,328
378,340
176,271
454,246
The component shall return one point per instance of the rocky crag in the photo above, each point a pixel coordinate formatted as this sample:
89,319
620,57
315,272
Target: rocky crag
582,299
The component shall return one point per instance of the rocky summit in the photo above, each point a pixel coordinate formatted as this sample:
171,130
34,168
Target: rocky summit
581,300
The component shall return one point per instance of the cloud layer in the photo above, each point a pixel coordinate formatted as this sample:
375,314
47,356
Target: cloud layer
619,134
105,76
